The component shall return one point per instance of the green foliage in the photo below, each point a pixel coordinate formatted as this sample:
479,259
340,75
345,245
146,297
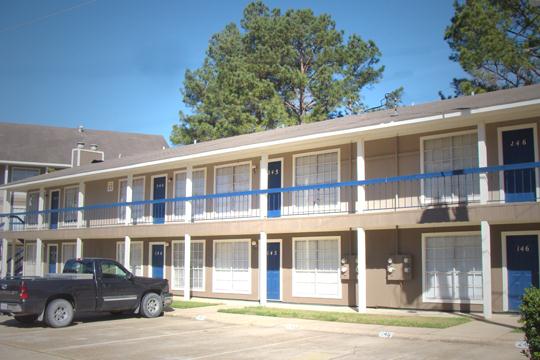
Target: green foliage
530,317
275,70
497,42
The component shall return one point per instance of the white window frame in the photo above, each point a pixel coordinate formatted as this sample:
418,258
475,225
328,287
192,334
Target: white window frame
423,198
164,257
214,243
141,243
195,216
181,243
425,299
151,207
297,209
27,209
338,273
120,181
47,256
74,222
280,242
500,155
26,258
504,236
235,213
14,168
62,258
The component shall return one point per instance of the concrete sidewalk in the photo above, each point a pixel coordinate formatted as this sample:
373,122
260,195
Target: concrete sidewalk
498,330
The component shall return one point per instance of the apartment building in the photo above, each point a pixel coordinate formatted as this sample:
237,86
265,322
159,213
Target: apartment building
29,150
433,206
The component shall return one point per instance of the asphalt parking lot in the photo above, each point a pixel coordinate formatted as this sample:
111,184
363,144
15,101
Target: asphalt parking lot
173,338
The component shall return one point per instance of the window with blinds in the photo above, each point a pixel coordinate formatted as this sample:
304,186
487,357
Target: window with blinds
137,211
29,263
32,204
453,152
69,251
453,268
70,202
198,184
231,266
135,256
312,170
233,179
316,268
196,265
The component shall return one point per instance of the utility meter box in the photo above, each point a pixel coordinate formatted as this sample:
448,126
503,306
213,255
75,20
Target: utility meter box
348,268
399,268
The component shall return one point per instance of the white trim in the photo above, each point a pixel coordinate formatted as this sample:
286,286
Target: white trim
337,150
423,255
26,258
214,266
338,273
164,257
62,259
203,169
125,179
142,255
361,280
66,188
269,144
48,258
191,264
500,131
33,163
504,271
280,242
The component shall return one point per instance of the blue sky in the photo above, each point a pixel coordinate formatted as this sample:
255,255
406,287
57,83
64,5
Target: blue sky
119,64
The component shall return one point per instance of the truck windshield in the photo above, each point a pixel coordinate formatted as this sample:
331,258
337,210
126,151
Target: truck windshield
79,267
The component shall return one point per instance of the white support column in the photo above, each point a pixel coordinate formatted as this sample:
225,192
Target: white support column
41,207
263,185
361,285
127,253
7,209
482,162
129,198
187,267
79,248
4,265
13,254
80,203
189,193
39,257
360,175
263,241
486,268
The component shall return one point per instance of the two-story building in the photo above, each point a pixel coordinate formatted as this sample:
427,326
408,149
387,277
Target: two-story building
433,206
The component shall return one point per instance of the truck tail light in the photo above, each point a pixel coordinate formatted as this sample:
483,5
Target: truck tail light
23,291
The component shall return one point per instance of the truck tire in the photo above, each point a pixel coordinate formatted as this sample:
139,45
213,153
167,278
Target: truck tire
26,319
151,305
59,313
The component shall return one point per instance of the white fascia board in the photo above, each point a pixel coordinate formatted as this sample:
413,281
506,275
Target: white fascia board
352,131
31,163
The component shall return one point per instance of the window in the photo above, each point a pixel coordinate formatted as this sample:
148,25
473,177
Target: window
231,266
233,179
316,268
110,270
137,211
18,173
453,268
198,184
135,257
69,251
70,201
197,265
32,204
316,169
79,267
447,153
29,260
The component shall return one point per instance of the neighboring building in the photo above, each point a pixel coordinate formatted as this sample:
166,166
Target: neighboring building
433,206
30,150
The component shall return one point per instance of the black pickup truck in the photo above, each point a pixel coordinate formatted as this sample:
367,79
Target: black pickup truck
90,284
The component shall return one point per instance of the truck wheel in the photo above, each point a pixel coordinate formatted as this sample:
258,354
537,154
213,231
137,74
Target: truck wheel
26,319
59,313
151,305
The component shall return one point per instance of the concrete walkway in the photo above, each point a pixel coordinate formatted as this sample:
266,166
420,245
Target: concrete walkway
498,330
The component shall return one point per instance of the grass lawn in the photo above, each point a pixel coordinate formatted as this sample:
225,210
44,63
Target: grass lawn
391,320
190,304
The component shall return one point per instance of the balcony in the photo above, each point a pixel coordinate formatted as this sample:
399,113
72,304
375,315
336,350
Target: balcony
496,184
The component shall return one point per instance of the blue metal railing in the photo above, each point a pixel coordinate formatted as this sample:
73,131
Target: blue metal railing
510,183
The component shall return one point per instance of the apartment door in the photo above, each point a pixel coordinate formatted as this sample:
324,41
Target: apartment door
157,255
518,147
52,258
158,210
273,273
55,204
274,182
522,266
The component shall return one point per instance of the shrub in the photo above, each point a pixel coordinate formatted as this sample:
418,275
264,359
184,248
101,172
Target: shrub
530,318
